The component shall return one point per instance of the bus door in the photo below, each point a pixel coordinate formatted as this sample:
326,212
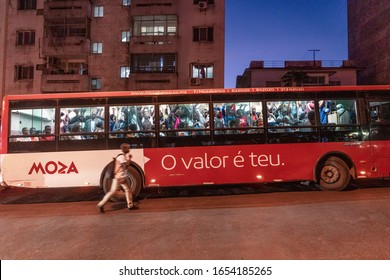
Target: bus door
380,135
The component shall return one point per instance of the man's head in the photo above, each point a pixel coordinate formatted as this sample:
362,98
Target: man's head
47,129
25,131
125,148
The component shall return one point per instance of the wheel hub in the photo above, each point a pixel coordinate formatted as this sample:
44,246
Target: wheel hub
330,174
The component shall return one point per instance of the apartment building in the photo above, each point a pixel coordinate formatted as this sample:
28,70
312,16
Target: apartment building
369,39
51,46
298,73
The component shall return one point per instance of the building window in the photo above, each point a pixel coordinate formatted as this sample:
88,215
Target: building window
203,34
273,84
97,48
158,25
96,83
27,5
25,38
202,71
126,36
98,11
315,80
126,2
125,71
210,2
335,83
153,63
24,72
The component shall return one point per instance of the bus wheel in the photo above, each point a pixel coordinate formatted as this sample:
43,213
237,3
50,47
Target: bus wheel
334,174
133,178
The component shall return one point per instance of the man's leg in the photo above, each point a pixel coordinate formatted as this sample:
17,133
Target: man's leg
128,193
108,195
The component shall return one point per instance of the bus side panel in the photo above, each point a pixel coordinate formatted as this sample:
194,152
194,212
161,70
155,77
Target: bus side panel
241,164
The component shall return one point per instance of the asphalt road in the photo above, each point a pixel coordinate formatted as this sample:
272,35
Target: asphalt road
270,222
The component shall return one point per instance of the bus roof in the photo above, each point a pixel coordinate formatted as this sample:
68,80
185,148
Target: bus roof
269,90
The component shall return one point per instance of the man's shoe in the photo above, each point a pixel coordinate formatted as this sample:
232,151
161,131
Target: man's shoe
100,209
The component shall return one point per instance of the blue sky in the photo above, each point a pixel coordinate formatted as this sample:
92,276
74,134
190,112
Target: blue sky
283,30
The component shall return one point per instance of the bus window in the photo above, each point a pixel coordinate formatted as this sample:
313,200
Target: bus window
132,121
338,120
380,112
184,119
133,124
292,121
31,125
81,123
337,112
286,113
189,121
237,117
380,120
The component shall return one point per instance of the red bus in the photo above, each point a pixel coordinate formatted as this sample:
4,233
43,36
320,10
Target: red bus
328,135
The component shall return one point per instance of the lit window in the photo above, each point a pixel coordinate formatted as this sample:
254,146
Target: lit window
97,48
202,71
125,71
96,83
153,63
155,25
98,11
126,2
126,36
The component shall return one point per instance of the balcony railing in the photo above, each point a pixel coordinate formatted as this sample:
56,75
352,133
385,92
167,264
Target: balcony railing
64,83
305,63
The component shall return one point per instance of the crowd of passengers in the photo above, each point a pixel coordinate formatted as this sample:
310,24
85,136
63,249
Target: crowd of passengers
187,119
290,113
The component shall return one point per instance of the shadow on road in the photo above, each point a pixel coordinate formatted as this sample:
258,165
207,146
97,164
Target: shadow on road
24,195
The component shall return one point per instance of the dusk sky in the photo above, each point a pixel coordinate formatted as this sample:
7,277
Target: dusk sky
278,30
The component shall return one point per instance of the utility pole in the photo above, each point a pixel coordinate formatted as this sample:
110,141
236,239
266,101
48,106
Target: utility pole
314,56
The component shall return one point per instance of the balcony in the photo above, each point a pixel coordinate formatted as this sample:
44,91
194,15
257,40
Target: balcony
153,6
70,8
56,83
155,43
152,81
72,45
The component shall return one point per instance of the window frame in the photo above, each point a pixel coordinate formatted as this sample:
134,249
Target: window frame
24,72
97,48
125,36
96,84
125,72
205,66
25,5
203,34
25,38
126,3
98,11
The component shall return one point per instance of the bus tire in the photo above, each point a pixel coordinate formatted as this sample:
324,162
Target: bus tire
333,174
134,179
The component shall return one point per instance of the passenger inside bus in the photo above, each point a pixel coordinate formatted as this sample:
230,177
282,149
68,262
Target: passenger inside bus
25,134
33,131
47,134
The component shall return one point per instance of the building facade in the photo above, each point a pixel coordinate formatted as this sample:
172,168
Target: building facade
51,46
369,39
297,73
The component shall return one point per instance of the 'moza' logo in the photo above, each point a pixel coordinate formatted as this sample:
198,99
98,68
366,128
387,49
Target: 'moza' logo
52,167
